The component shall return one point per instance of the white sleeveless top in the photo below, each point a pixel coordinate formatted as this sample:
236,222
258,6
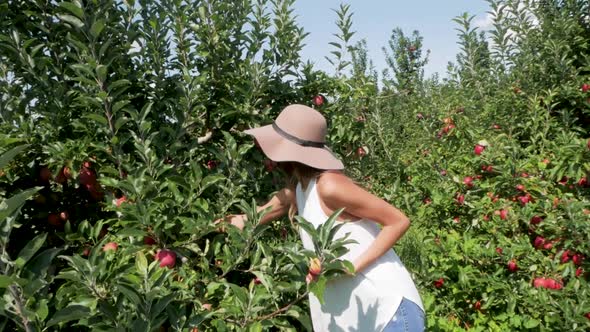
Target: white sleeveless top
367,301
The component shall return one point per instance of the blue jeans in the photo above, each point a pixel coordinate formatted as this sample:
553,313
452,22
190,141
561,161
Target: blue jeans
408,318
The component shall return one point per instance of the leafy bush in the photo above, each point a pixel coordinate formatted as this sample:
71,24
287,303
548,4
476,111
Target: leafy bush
120,146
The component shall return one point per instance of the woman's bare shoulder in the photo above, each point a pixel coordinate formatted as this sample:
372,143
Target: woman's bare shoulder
332,183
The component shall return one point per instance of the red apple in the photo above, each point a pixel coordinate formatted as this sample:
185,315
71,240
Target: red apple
548,245
448,128
579,271
578,259
583,182
496,126
257,281
565,256
456,220
361,152
512,266
120,201
499,250
318,100
585,87
524,200
148,240
539,242
439,283
86,252
54,220
443,172
503,214
477,306
95,191
460,199
553,284
536,220
211,165
64,175
479,149
64,216
166,257
540,282
315,266
468,181
309,278
111,246
520,187
87,176
45,174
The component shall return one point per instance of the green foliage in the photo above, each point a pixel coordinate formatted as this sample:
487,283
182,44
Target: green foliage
120,146
405,61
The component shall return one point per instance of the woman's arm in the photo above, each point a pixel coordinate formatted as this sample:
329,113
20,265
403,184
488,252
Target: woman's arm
279,205
338,191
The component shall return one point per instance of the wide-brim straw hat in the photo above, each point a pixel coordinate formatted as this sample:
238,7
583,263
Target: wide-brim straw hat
298,134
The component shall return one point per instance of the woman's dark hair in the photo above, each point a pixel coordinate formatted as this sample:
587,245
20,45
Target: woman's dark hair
298,173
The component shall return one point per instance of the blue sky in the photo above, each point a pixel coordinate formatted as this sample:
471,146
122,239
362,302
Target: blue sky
374,20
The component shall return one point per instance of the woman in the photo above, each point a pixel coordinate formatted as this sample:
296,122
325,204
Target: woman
381,295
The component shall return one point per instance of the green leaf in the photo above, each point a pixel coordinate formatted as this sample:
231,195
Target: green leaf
97,28
99,119
101,73
71,20
30,249
5,281
120,104
141,263
43,310
210,180
14,203
531,323
240,293
67,314
131,232
297,313
255,327
161,305
38,266
307,226
10,154
130,293
318,287
73,8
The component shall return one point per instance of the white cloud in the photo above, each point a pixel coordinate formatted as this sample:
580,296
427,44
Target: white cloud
484,23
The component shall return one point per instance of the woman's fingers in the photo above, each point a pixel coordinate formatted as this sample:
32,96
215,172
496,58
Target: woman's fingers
235,220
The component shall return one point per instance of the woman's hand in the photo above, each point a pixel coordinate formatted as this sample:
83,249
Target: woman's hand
237,220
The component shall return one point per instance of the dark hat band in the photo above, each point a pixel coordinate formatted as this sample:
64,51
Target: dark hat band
297,140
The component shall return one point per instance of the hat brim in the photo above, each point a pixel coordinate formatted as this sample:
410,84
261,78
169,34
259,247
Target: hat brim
280,149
